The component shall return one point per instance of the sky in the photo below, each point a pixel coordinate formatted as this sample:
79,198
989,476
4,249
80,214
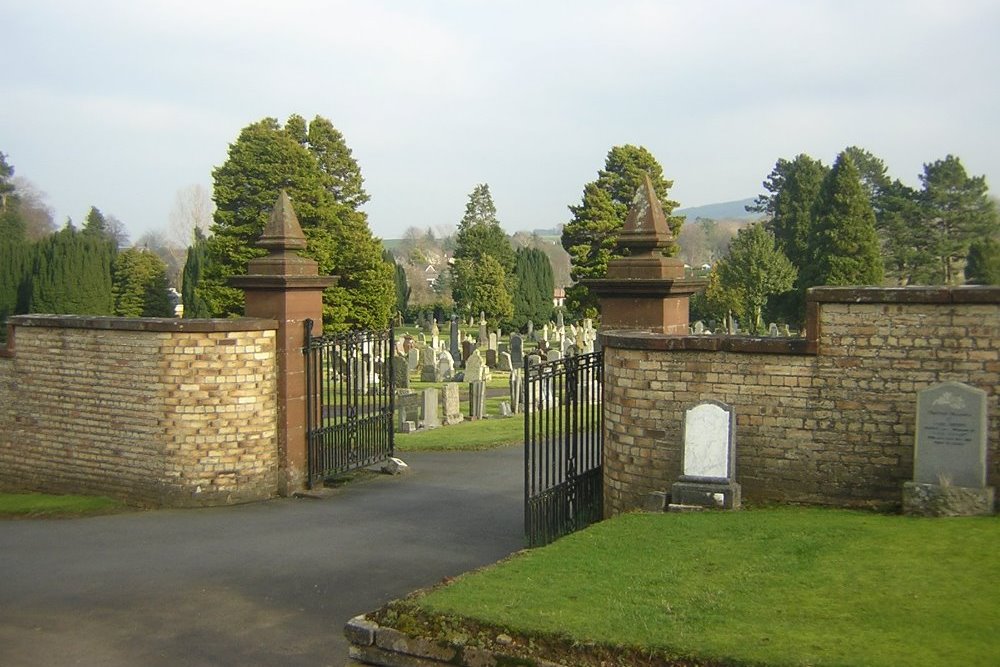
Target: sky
124,104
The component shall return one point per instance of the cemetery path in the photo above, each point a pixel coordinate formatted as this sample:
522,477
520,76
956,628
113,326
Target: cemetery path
262,584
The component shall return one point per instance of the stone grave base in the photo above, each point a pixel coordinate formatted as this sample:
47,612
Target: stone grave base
702,493
937,500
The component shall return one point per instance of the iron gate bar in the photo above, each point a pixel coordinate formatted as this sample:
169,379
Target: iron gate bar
349,417
563,436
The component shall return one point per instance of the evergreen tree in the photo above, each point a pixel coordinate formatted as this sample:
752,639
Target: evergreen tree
957,212
95,223
71,274
12,224
591,237
983,264
139,285
843,246
486,290
532,298
399,280
194,266
265,158
479,235
754,270
15,276
794,187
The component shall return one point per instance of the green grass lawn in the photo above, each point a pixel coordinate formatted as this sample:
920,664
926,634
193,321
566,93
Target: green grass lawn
481,434
28,505
784,586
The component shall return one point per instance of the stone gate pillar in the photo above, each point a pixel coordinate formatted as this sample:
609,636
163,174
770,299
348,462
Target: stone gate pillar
285,287
644,290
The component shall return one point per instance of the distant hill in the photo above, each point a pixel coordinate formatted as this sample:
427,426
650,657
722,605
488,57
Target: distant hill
728,210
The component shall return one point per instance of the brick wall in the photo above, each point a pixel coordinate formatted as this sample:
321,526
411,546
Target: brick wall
157,412
827,419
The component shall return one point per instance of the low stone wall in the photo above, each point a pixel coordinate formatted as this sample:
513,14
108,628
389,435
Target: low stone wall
158,412
828,419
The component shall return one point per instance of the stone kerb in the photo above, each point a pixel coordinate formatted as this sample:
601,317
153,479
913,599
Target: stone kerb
155,412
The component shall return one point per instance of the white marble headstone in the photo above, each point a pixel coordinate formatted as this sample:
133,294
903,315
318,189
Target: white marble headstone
708,443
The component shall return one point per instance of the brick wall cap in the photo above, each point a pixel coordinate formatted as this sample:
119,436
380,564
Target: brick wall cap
644,340
963,294
169,324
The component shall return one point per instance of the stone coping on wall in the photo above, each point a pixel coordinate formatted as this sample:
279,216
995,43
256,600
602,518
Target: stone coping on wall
168,324
645,340
891,295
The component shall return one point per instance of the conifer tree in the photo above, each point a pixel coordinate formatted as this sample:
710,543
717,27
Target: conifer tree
982,267
266,158
71,274
533,278
194,265
479,236
591,238
843,246
139,285
957,211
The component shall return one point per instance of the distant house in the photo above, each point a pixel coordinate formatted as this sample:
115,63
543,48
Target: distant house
431,274
559,297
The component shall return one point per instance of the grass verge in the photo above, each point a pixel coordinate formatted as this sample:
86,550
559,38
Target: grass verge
468,435
784,586
40,505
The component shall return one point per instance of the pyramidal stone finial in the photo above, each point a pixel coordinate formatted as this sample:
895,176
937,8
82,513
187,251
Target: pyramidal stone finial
646,227
282,231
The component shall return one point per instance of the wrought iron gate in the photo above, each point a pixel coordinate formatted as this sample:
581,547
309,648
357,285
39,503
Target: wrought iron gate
563,440
349,404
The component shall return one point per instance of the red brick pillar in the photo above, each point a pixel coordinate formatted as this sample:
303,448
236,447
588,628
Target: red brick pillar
645,290
285,287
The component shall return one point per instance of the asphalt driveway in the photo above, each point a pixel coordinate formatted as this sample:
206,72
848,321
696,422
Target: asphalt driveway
263,584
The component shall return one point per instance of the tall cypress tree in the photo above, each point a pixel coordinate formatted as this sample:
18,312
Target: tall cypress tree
534,284
843,246
194,265
71,274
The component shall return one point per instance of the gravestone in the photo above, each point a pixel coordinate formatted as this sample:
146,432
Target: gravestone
949,458
553,355
413,359
400,372
504,362
491,358
709,459
445,365
699,328
453,339
477,400
505,409
772,329
483,334
452,404
467,348
431,419
475,367
435,336
559,318
516,390
516,350
492,343
407,408
531,330
428,366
